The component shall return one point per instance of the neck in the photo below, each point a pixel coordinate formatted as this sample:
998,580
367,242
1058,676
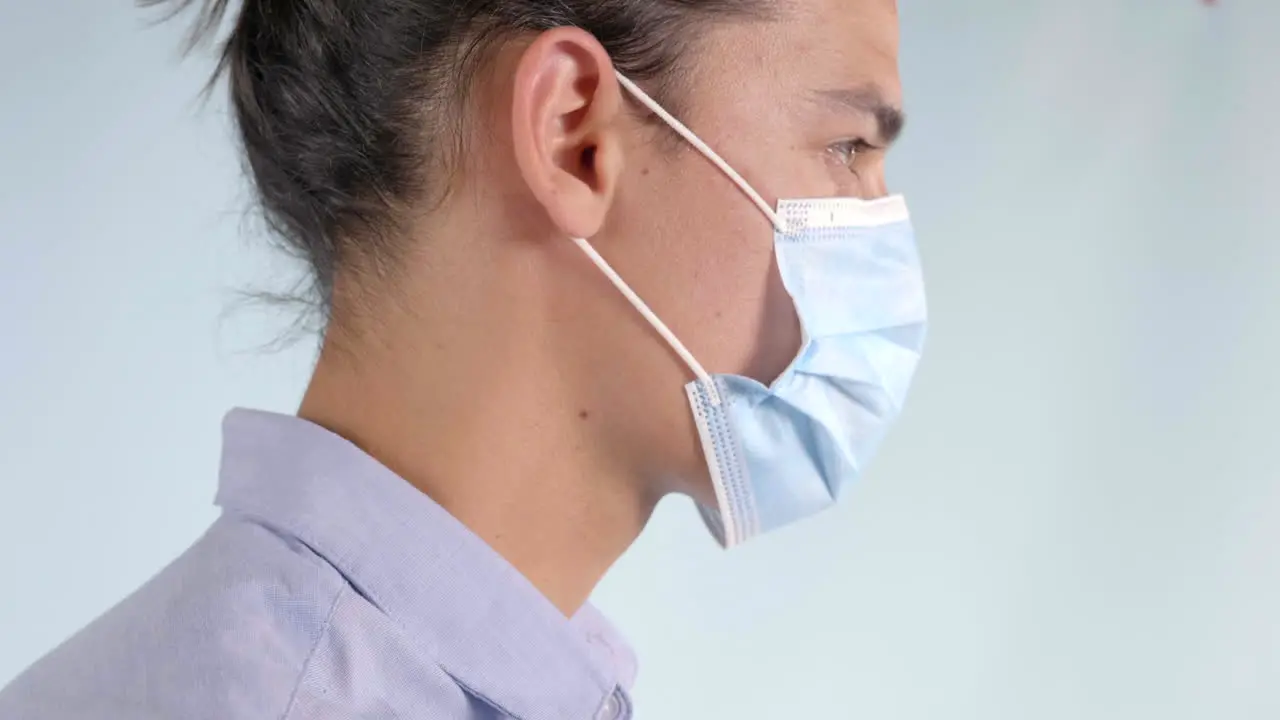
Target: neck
484,424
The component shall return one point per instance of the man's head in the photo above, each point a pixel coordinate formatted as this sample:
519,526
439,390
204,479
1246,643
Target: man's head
423,154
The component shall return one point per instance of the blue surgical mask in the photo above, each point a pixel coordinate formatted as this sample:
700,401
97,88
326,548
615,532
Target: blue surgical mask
782,452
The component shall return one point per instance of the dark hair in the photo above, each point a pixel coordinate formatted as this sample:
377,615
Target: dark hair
331,98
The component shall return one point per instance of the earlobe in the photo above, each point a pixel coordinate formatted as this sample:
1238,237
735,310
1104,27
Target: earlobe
565,106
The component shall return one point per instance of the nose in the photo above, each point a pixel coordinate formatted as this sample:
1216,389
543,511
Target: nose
874,184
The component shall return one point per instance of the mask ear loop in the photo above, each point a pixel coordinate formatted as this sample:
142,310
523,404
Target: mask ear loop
703,376
703,148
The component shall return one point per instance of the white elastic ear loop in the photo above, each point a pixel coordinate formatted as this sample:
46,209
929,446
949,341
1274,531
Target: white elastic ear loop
703,148
703,376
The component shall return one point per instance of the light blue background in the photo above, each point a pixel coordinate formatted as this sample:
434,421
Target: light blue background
1079,516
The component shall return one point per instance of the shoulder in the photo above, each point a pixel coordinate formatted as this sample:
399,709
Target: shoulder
247,624
224,631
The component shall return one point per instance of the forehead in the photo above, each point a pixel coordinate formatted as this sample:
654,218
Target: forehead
817,45
843,43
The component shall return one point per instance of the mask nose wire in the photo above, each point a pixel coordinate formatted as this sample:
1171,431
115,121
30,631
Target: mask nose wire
703,148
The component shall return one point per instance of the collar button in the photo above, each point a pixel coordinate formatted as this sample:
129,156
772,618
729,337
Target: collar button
613,707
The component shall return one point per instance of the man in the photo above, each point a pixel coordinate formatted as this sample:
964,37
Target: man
562,279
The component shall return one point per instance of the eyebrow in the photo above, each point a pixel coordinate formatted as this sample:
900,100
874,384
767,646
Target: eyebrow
868,100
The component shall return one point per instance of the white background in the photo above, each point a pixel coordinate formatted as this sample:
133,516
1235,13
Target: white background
1079,516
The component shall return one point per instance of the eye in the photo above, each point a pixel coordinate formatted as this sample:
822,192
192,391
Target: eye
847,151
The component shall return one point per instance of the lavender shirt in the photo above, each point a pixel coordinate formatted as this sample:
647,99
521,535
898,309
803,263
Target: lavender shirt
329,589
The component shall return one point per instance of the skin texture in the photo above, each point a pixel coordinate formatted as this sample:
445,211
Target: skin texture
505,376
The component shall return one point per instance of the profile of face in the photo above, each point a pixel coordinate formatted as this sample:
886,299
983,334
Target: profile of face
435,162
802,103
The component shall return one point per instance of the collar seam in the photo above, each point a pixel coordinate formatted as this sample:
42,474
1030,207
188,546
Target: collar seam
306,664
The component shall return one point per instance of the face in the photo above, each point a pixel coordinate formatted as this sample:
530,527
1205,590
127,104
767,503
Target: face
802,106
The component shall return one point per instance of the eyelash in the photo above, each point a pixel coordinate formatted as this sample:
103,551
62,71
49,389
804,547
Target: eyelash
847,151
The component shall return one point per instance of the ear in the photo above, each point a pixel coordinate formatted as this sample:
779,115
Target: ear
565,107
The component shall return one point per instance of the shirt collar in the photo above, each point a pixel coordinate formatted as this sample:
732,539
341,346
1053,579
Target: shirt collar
483,622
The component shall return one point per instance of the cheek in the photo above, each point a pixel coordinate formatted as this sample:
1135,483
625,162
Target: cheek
730,308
